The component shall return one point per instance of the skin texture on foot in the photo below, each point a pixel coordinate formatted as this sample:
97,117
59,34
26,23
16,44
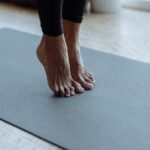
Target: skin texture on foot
52,53
78,71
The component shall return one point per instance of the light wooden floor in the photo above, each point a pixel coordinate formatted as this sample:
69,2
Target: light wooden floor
126,34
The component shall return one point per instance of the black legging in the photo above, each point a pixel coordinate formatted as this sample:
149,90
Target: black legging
51,13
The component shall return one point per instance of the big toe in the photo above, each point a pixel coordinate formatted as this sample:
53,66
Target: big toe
90,76
78,88
89,80
86,85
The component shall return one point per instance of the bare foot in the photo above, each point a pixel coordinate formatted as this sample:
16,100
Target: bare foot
78,70
52,53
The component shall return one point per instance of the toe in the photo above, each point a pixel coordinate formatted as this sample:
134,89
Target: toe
88,73
90,76
72,90
61,91
56,90
78,88
86,85
67,91
56,93
88,79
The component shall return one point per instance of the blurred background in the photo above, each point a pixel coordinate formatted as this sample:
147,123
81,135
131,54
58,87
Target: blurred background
117,26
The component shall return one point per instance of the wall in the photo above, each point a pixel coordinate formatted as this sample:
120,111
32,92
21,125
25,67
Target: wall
137,4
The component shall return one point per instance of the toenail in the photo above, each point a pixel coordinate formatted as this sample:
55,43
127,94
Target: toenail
82,89
91,85
67,95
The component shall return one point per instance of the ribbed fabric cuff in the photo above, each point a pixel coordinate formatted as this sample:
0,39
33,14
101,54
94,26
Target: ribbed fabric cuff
56,31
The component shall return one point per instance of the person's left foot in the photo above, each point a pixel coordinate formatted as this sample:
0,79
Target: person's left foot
78,70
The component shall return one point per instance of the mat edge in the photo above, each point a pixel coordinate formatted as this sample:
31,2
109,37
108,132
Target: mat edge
37,136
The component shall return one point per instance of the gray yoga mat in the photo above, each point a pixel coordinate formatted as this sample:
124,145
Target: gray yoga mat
115,115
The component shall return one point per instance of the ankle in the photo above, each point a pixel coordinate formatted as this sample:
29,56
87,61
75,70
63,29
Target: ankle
53,39
55,42
71,32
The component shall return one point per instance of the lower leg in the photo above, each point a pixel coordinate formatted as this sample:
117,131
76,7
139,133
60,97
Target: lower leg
54,58
73,11
52,51
78,70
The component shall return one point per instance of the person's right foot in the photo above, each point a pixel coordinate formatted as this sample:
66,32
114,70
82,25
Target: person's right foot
52,53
